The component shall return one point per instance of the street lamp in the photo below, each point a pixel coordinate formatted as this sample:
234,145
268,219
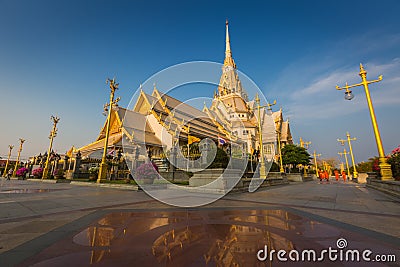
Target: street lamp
21,141
10,147
107,108
355,173
341,167
315,162
386,172
53,133
263,172
281,170
345,157
304,145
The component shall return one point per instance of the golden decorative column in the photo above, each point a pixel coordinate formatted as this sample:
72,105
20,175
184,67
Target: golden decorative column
53,133
315,162
304,145
278,134
341,167
345,157
21,142
103,165
355,173
386,171
10,147
281,170
263,173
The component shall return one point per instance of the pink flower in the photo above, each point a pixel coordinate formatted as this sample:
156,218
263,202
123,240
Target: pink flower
396,150
22,172
37,172
147,171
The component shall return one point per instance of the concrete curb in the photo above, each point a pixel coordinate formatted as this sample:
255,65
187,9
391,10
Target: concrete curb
116,186
72,182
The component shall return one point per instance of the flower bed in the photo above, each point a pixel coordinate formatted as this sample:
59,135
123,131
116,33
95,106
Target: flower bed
21,172
146,173
37,173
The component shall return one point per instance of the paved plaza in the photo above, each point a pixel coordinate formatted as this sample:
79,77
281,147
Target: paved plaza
58,224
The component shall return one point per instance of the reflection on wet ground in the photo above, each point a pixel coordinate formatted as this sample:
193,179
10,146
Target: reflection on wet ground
198,238
27,191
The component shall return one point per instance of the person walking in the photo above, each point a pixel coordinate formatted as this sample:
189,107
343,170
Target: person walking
326,175
320,176
10,172
344,176
337,175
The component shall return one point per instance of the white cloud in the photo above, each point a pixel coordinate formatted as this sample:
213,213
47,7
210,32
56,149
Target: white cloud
320,100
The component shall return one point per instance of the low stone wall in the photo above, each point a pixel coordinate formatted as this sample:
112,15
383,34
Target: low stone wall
308,178
389,187
208,179
298,177
177,176
362,178
294,177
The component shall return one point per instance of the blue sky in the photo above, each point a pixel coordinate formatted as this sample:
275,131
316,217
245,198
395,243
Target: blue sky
56,55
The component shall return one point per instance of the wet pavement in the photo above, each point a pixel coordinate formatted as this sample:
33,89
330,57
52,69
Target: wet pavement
27,191
64,225
200,238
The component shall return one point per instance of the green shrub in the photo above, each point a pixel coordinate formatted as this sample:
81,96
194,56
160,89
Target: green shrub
221,160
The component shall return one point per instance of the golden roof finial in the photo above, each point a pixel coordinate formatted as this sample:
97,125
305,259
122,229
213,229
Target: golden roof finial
228,54
227,41
362,70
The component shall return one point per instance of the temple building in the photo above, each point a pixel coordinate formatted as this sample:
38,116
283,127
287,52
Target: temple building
159,122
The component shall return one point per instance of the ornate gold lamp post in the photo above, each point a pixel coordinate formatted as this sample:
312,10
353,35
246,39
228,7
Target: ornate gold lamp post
386,171
10,147
355,173
21,142
263,172
281,170
108,107
53,133
341,167
304,145
315,162
345,157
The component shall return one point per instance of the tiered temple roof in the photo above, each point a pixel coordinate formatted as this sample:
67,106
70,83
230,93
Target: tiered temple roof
157,119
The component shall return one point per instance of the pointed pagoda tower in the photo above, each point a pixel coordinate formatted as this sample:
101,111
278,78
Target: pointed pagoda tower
230,85
229,105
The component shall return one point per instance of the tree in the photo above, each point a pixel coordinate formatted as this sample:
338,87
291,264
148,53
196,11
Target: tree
333,162
295,155
221,159
366,166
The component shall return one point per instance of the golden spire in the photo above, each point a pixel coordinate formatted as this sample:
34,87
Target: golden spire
228,54
362,70
227,42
